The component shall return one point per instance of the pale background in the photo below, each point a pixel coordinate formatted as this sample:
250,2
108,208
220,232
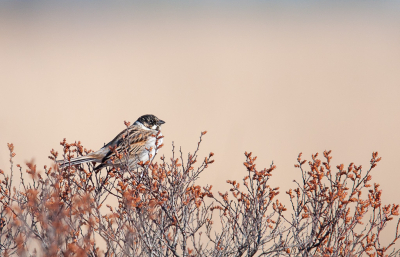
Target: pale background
276,79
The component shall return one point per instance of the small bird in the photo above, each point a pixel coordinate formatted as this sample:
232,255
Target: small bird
138,141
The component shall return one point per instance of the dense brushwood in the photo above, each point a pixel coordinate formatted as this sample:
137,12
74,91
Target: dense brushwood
159,210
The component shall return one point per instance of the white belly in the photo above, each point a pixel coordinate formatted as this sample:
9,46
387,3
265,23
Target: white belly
151,143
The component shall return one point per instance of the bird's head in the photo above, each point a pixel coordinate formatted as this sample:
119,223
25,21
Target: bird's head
149,121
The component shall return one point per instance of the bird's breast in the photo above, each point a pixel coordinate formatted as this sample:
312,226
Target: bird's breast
151,144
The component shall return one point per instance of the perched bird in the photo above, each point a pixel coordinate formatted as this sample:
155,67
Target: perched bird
136,140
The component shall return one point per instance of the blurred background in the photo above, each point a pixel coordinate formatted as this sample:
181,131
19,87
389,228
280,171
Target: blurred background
268,77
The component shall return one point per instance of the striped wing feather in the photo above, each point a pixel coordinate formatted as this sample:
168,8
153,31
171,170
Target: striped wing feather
135,137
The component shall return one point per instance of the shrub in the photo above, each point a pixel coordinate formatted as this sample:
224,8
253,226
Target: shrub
159,210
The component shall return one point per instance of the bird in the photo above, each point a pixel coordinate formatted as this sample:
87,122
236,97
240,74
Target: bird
138,141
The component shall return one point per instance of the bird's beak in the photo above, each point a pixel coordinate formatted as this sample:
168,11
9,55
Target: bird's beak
160,122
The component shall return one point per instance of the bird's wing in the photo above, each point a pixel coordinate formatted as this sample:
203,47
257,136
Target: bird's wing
131,140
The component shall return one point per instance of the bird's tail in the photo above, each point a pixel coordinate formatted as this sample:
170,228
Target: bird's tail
77,160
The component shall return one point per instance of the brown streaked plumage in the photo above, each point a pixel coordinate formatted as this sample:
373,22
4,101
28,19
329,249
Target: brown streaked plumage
133,140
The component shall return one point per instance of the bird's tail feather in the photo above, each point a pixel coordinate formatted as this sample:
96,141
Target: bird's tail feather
77,160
